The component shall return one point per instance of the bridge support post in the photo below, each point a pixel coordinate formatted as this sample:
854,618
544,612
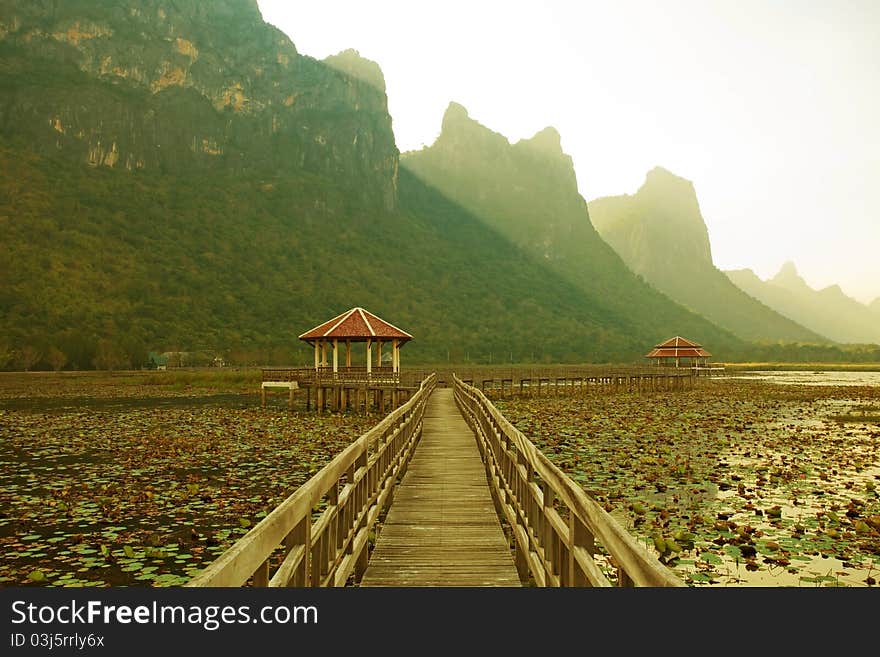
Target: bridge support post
581,537
522,564
361,563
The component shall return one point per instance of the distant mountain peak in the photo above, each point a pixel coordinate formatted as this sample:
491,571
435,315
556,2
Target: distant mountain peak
788,269
456,120
547,140
660,178
829,311
788,277
455,112
661,171
674,203
352,63
660,233
461,133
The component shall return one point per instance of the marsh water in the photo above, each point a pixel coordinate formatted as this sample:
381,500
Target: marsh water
812,378
759,482
773,482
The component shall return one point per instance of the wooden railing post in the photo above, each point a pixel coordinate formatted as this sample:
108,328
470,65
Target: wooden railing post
548,533
300,537
261,575
581,539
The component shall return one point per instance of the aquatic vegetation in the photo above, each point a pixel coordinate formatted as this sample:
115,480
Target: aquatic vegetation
733,483
140,495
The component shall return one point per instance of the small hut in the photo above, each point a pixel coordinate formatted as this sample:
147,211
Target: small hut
678,352
356,325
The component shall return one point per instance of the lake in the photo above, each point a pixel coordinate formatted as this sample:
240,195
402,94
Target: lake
816,378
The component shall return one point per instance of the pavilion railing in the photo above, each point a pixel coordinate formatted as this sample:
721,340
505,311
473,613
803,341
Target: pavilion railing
292,547
354,375
555,524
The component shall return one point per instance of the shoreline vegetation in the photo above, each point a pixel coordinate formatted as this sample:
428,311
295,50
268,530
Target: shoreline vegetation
141,478
236,376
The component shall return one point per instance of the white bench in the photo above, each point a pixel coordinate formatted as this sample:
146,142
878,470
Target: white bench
290,385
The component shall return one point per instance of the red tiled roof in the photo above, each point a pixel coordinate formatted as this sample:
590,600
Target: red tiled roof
356,324
677,341
676,352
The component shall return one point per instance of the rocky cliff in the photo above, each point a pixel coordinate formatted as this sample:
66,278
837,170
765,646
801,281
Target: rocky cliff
527,190
185,86
655,227
660,233
528,193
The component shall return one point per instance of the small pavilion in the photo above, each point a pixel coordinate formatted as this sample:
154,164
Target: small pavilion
356,325
679,351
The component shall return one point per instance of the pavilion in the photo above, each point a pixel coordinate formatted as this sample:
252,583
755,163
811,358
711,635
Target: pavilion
356,325
675,350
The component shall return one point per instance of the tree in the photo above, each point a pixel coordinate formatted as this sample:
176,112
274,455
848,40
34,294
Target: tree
28,356
7,354
79,347
108,356
56,358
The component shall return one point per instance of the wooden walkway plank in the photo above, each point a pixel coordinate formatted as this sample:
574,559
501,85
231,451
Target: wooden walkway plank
442,529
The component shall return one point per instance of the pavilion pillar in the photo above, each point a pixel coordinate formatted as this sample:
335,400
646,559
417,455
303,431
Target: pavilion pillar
369,356
348,353
317,355
395,356
323,354
335,356
378,353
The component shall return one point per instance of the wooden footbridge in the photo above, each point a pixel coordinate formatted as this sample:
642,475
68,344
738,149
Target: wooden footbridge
443,491
442,529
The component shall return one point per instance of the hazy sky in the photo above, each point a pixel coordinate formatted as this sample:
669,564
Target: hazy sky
771,108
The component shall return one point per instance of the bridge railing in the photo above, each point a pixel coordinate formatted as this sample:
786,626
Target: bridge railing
554,522
346,376
290,547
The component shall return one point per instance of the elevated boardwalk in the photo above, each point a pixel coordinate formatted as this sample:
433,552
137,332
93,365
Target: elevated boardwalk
442,529
444,470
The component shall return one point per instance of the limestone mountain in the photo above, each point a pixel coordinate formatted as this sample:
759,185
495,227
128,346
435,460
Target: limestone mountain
660,233
189,86
874,306
527,192
827,311
482,170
